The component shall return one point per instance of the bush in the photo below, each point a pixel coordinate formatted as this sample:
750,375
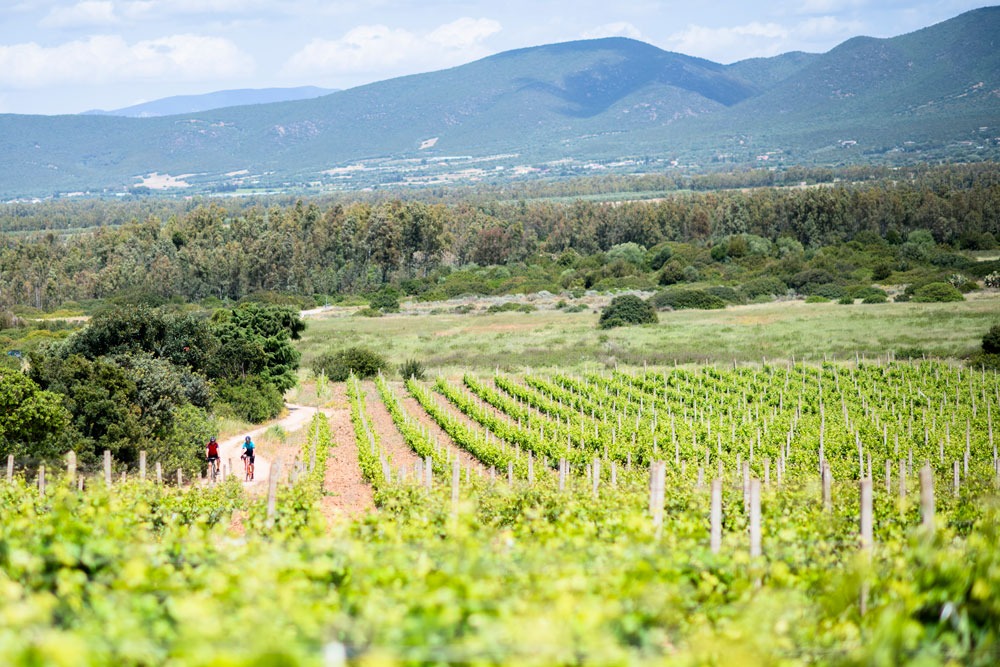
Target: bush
671,274
627,310
910,353
868,292
881,272
875,298
361,361
937,292
251,399
991,341
385,300
659,256
764,287
680,299
727,294
992,280
815,298
411,368
830,291
512,306
846,300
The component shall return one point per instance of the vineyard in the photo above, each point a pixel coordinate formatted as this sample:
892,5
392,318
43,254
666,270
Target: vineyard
762,514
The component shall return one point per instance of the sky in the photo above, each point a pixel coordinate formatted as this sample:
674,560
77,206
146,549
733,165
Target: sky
69,56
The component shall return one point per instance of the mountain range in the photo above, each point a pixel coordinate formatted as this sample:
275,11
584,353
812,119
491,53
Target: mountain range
575,107
182,104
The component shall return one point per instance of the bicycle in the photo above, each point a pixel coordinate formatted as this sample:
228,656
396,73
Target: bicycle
247,468
213,469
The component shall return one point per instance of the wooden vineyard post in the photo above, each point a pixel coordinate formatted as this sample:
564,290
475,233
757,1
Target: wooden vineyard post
767,471
142,465
716,516
180,477
614,474
755,543
10,468
827,482
902,481
658,483
232,468
510,473
562,474
867,538
701,477
71,468
272,492
927,498
107,468
41,480
159,473
596,480
456,472
955,480
746,486
428,472
531,469
888,476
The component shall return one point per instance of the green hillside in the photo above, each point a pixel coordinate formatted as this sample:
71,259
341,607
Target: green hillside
928,95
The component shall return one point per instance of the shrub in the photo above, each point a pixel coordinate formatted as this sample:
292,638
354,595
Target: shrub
846,300
992,280
251,399
881,272
658,257
727,294
991,341
828,291
361,361
764,287
630,252
627,310
369,312
670,274
411,368
868,292
679,299
815,298
875,298
512,306
386,300
937,292
910,353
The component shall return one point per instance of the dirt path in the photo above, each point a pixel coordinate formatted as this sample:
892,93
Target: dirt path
346,494
393,443
230,449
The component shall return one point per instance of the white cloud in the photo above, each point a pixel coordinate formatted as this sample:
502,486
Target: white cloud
619,29
109,58
376,48
86,14
464,33
762,39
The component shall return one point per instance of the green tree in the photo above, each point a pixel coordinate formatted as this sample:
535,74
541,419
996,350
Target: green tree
31,419
626,310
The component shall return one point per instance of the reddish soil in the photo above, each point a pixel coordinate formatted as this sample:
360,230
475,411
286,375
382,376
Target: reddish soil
393,444
346,494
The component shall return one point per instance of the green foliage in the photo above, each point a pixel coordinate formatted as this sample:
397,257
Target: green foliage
512,306
385,300
627,310
30,419
764,286
255,340
359,361
815,298
937,292
412,368
252,399
991,340
630,252
677,299
658,256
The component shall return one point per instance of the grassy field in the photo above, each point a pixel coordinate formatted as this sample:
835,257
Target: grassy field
555,339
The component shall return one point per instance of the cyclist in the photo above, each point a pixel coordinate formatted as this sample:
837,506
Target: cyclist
212,456
248,457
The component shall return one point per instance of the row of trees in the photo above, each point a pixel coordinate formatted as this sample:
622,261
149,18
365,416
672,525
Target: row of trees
148,378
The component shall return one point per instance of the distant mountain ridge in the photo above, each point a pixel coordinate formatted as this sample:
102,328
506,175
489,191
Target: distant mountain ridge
183,104
560,109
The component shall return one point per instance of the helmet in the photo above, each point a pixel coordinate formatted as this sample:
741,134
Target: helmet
246,439
213,438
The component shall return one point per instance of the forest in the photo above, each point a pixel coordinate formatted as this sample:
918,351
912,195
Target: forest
320,250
